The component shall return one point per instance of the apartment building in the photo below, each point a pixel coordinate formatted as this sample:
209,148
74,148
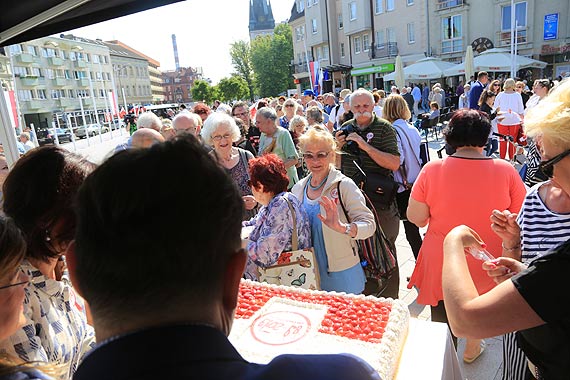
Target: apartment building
54,77
6,82
178,84
357,41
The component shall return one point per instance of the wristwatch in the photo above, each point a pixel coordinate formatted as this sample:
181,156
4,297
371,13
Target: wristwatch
348,228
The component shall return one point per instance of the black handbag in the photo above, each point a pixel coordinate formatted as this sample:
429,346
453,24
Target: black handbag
380,188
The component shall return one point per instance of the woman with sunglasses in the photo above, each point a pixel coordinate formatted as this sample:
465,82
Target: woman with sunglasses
531,300
38,196
333,232
290,109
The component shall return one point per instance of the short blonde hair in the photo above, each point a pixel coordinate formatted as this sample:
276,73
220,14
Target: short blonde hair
214,121
509,84
296,120
551,117
395,107
317,134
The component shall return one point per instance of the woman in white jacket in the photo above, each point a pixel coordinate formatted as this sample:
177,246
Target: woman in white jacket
333,235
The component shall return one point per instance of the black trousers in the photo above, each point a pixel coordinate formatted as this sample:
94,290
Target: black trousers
412,231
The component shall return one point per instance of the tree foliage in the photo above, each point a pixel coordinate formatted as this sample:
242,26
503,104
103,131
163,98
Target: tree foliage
271,58
240,52
202,91
232,88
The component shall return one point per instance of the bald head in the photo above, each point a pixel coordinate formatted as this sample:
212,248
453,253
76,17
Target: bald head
187,122
145,138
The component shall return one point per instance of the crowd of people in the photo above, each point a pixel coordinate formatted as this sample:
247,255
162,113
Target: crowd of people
88,254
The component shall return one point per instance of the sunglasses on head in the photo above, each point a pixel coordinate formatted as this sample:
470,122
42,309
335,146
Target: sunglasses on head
547,167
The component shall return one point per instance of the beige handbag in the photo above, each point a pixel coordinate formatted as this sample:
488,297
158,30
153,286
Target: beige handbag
296,268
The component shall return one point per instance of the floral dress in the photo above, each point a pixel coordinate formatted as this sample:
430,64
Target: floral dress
240,175
273,231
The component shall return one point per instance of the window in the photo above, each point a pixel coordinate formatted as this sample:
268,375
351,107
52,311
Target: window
37,72
63,54
342,50
32,50
314,25
72,56
15,49
520,16
326,52
319,53
300,5
309,3
390,5
86,57
56,94
91,75
95,58
98,75
379,6
365,42
25,94
357,47
380,38
67,74
452,34
297,34
50,73
79,74
340,24
101,93
391,34
70,94
410,2
21,71
411,33
105,60
352,10
82,94
41,94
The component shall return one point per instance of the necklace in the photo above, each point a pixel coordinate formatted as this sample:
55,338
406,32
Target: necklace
315,188
231,156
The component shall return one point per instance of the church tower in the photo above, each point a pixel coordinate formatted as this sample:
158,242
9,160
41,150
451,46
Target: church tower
261,20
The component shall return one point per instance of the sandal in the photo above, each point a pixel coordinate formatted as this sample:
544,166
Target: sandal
472,359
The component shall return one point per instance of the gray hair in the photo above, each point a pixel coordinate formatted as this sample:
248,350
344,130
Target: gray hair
296,120
314,113
268,113
149,120
214,121
362,92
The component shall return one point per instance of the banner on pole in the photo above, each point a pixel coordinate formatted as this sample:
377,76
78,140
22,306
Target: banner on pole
551,26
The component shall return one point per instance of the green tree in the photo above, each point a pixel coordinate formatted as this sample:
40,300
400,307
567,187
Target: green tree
271,58
232,88
241,60
202,91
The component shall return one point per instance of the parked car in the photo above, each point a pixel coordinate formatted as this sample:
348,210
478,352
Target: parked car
92,129
114,125
63,135
44,136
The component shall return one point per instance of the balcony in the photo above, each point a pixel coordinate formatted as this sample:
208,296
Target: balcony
59,82
80,64
504,38
83,82
34,104
55,61
446,4
29,81
68,103
25,58
386,50
452,46
301,67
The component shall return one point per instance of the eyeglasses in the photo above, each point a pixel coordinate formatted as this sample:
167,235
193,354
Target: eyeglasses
240,114
317,156
547,167
496,85
220,137
288,105
28,280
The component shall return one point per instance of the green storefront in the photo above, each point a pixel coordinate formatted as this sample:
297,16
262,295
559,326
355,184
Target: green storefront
365,75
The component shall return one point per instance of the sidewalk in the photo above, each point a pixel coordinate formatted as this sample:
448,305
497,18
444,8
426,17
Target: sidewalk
489,365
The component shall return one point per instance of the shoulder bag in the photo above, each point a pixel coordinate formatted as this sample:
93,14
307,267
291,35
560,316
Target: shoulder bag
297,268
376,253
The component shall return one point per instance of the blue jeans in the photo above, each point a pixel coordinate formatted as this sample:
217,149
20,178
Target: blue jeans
491,147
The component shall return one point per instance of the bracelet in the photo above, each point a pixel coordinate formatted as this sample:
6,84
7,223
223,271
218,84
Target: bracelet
512,248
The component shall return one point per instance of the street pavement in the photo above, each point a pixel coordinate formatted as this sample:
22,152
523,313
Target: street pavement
487,367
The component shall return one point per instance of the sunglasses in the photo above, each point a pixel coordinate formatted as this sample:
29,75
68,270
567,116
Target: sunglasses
16,284
547,167
288,105
317,156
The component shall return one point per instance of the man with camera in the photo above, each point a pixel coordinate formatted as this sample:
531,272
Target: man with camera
369,142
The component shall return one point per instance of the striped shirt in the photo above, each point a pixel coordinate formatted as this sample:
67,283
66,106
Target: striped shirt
541,231
379,134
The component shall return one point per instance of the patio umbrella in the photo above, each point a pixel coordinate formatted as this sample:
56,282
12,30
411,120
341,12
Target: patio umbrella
424,69
469,72
399,72
495,60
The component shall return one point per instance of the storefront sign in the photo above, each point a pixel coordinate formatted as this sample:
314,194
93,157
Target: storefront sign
551,26
549,49
383,68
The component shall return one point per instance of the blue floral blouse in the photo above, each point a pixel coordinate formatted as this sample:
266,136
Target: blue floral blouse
273,231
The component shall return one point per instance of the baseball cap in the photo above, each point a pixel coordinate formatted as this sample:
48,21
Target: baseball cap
308,92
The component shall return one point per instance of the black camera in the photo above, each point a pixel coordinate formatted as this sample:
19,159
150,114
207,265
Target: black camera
351,146
129,119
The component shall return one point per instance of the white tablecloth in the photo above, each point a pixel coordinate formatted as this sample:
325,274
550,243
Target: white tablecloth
428,353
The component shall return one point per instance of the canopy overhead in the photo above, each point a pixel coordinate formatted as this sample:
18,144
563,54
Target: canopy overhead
495,60
26,20
424,69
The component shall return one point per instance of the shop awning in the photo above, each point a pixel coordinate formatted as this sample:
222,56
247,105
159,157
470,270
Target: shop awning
335,68
24,20
381,68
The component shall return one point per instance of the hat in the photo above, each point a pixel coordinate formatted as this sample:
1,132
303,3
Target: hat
308,93
346,99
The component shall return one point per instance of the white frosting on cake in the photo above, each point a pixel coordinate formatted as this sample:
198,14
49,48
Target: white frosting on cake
285,326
